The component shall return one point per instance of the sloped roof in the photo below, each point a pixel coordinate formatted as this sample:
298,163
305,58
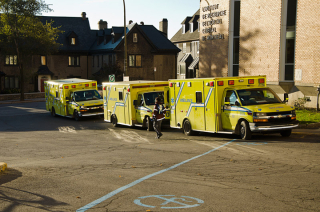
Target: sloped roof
44,70
157,38
79,26
188,36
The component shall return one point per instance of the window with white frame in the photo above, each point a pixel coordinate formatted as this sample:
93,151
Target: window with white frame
11,60
135,37
183,29
74,61
191,27
73,41
184,47
43,60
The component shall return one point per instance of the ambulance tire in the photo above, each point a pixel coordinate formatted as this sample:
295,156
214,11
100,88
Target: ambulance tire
245,131
285,133
53,112
114,120
187,130
76,115
149,123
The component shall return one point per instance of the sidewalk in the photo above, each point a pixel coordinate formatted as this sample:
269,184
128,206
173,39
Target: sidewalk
25,101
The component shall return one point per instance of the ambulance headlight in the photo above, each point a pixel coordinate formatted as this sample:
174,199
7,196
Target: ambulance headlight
260,114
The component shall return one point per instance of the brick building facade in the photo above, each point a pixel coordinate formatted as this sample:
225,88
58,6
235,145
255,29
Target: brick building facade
277,38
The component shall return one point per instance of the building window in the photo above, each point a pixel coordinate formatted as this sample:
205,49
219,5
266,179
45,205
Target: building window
197,46
178,45
184,47
43,60
73,41
183,29
182,70
135,60
191,27
11,60
11,82
191,47
236,38
290,40
74,61
135,37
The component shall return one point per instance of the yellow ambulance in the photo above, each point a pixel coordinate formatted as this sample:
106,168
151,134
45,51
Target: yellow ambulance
233,105
131,103
73,98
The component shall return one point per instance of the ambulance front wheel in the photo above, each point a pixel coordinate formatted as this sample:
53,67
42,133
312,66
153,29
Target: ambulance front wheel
53,112
187,130
245,131
148,123
76,115
114,120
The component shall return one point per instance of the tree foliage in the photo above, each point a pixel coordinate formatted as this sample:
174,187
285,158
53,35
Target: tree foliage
23,34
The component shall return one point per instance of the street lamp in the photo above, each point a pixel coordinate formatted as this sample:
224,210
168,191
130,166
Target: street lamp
125,40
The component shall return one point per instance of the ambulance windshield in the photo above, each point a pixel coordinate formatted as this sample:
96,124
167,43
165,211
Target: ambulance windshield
86,95
149,98
258,96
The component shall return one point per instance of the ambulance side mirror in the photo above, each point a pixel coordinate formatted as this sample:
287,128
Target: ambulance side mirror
285,97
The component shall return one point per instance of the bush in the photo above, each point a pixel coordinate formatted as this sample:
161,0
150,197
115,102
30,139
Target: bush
299,104
11,91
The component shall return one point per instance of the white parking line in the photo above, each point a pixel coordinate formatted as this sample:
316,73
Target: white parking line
111,194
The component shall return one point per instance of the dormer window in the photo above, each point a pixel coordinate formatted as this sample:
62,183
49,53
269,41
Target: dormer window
191,27
73,41
183,29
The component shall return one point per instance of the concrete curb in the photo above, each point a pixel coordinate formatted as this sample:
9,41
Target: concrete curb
3,167
309,126
18,101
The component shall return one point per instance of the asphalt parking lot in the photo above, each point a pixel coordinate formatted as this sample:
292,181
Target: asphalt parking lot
58,164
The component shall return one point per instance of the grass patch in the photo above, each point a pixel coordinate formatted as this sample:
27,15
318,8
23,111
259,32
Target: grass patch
308,116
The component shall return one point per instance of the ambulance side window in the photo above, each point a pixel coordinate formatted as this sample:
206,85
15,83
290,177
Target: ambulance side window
232,96
140,100
57,94
120,96
198,97
72,97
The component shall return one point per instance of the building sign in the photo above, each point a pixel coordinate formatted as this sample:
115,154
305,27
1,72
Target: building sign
211,17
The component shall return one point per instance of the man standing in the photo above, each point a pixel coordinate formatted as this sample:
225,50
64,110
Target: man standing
157,117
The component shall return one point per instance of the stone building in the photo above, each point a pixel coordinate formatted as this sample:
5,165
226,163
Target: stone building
187,39
277,38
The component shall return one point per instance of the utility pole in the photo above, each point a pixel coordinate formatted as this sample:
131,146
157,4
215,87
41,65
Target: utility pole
125,40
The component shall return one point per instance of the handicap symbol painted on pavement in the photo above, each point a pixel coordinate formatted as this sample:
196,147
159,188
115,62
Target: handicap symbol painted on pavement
252,143
170,201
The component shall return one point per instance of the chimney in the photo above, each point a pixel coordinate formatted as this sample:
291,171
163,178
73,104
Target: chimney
163,26
141,23
102,24
84,15
130,22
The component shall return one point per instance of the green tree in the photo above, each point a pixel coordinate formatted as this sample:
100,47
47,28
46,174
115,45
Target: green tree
23,34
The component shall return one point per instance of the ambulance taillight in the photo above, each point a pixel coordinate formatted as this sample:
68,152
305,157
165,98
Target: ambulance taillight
73,86
220,83
93,84
261,81
87,85
66,87
231,82
251,81
170,84
128,89
211,84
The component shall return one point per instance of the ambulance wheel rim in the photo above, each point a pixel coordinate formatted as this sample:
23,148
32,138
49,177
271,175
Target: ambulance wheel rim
114,121
245,132
187,128
76,116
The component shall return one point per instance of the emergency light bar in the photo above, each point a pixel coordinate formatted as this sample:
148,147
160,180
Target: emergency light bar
251,81
93,84
220,83
261,81
66,87
73,86
231,82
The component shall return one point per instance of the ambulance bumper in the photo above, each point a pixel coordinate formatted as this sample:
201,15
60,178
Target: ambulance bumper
262,127
90,114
